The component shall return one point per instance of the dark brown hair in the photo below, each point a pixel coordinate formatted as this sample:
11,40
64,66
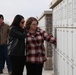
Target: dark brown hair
29,21
1,16
17,20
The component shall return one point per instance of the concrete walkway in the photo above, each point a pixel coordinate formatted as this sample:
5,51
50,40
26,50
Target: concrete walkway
45,72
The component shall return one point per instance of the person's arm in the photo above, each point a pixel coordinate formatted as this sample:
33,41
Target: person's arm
17,34
47,37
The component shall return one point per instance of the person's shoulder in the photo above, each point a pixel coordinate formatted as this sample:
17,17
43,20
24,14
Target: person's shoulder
6,25
12,27
40,30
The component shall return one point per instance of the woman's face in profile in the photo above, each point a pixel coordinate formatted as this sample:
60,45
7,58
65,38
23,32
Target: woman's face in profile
22,23
33,25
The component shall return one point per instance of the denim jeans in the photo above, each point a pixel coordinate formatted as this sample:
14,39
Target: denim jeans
4,57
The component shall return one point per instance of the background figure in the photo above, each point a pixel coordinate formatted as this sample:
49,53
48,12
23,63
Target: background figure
4,29
35,50
16,45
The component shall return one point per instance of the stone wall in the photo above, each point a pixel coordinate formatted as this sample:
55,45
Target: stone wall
48,63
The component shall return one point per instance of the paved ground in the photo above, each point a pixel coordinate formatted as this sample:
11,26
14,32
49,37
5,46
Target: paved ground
45,72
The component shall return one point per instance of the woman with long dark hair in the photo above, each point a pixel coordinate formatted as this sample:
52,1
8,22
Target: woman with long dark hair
16,45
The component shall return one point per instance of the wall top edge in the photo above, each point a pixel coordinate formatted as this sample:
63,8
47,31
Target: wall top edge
54,3
45,13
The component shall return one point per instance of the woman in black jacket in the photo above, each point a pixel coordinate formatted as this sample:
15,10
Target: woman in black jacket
16,45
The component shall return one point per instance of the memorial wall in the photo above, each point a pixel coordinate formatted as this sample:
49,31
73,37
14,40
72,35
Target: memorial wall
64,29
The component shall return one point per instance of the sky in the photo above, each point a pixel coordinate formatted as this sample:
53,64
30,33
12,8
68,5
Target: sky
26,8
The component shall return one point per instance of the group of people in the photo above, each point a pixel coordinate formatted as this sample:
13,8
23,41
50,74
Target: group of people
22,44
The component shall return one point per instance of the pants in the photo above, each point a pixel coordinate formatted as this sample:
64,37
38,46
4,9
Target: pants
34,68
17,64
4,57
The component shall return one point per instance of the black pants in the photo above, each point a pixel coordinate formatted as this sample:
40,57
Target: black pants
17,64
34,68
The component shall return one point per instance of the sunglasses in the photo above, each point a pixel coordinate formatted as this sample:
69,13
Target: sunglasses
23,22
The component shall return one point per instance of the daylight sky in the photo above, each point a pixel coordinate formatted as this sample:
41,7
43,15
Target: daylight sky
27,8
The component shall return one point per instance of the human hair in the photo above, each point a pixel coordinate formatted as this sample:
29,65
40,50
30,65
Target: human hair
29,21
17,20
1,16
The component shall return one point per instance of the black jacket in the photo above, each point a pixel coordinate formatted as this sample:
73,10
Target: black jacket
16,41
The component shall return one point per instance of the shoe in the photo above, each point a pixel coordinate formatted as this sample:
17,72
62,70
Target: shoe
1,72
